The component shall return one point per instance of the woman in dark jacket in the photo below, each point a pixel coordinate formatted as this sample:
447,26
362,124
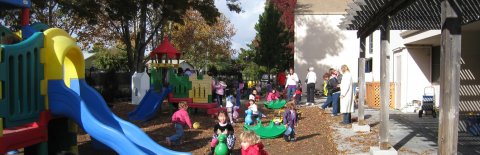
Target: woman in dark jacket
333,95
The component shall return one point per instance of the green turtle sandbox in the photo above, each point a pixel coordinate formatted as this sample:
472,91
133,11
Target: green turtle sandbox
275,104
266,132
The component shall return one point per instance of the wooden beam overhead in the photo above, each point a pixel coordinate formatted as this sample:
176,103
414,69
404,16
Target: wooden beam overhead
389,9
354,6
360,2
421,14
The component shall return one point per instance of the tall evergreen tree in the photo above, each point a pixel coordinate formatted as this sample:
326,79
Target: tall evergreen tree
272,40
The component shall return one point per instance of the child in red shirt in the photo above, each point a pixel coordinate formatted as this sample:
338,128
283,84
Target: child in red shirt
298,95
251,144
180,119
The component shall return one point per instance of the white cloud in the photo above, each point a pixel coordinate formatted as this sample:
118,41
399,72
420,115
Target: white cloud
244,22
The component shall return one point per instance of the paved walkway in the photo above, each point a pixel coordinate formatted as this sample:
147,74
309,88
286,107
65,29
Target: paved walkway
409,134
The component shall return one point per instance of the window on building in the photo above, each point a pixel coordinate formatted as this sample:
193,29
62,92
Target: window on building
435,65
368,65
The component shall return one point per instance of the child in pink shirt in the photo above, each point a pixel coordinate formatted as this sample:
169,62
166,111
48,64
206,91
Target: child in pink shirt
180,119
273,95
219,90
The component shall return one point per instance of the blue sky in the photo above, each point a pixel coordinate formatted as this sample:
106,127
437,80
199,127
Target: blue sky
244,23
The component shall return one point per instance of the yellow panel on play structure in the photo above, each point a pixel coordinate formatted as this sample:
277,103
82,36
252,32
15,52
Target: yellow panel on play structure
251,84
201,88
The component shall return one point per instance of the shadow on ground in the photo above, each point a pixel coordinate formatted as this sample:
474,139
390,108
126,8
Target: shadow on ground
427,127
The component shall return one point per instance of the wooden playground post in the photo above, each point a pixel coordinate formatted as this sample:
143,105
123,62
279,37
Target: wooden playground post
361,83
384,83
451,21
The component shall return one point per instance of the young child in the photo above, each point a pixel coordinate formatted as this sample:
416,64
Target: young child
229,105
326,76
251,144
223,127
252,95
180,119
290,121
273,95
255,113
298,95
219,91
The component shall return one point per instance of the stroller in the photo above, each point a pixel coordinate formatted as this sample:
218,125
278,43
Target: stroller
428,102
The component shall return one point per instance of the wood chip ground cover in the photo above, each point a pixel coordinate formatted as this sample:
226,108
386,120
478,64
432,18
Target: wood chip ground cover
314,134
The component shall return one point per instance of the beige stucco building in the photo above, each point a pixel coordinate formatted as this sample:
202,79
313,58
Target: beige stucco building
415,55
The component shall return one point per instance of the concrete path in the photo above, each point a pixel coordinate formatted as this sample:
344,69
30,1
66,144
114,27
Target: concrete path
409,134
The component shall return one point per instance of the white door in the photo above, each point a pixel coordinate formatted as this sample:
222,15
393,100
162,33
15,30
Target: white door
398,80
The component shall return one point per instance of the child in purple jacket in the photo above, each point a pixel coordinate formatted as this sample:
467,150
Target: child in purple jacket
290,121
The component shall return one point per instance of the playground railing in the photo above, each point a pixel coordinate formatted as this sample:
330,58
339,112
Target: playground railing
22,72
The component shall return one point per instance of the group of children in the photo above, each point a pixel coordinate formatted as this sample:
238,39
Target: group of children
250,142
290,115
273,94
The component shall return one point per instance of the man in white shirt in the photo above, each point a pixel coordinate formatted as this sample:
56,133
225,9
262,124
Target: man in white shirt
310,80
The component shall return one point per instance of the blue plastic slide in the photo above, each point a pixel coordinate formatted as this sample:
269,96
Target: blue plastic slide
88,109
151,102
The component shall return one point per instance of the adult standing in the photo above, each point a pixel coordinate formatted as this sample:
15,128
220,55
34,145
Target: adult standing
346,95
310,80
333,93
291,84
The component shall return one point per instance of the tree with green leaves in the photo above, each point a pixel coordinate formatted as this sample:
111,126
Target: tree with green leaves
247,64
271,41
136,23
111,59
203,44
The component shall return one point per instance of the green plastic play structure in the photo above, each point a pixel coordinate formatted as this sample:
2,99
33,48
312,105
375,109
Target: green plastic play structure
156,79
275,104
40,27
4,31
181,84
266,132
21,74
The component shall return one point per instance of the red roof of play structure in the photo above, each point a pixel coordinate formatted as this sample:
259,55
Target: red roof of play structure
166,48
